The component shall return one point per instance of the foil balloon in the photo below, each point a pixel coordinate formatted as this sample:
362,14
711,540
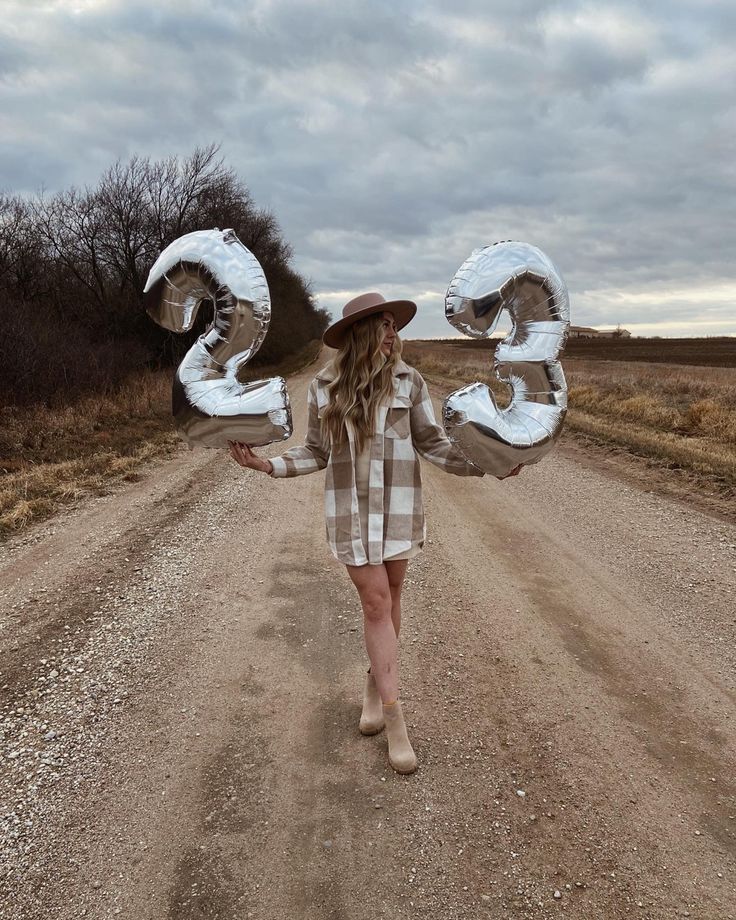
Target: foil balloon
521,279
210,404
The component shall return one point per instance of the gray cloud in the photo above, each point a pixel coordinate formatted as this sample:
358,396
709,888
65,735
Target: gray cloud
392,139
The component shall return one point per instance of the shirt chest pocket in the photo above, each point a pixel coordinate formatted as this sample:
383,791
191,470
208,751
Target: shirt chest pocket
398,424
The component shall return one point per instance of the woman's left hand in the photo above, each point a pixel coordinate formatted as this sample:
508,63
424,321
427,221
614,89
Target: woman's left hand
514,472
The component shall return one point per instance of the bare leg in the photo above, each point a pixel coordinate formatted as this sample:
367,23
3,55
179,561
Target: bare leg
396,571
372,584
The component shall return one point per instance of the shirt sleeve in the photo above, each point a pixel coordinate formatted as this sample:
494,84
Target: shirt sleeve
313,454
430,439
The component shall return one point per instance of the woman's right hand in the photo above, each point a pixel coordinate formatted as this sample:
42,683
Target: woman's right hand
245,457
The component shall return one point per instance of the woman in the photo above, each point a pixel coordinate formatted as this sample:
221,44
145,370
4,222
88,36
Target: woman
370,415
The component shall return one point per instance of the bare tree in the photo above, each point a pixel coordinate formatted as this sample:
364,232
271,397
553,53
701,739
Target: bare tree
73,266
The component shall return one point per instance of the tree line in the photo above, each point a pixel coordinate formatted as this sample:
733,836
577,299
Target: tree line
73,266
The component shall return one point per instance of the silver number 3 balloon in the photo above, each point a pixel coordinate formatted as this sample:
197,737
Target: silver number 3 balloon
521,279
210,404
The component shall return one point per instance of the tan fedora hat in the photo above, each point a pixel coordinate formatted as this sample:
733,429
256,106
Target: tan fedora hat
365,305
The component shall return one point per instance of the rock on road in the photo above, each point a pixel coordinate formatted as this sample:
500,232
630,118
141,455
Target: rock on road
181,670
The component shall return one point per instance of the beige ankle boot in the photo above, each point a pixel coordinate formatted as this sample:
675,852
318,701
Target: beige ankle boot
371,718
401,755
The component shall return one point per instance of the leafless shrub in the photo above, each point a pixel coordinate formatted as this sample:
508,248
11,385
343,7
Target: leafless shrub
73,266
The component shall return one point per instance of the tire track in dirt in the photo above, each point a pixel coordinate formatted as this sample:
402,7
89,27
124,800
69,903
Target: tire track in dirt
594,662
110,566
233,782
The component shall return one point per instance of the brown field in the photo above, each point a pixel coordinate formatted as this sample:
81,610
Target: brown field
679,414
50,457
705,352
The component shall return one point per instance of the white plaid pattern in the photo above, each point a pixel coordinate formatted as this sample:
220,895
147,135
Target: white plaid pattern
405,428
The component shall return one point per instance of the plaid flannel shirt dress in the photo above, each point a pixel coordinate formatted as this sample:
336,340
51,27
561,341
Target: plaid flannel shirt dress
405,428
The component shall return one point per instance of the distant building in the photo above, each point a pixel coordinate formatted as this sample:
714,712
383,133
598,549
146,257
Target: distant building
587,332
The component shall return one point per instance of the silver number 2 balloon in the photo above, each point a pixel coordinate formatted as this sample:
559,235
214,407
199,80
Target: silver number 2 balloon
210,405
521,279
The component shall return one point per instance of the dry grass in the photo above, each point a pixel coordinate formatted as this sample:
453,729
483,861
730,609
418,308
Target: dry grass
52,457
683,416
712,351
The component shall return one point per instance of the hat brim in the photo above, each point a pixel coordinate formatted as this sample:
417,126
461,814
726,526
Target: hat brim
403,311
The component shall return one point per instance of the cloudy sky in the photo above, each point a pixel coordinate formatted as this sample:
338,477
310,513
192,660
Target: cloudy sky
392,138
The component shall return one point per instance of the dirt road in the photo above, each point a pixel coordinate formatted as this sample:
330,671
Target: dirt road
181,667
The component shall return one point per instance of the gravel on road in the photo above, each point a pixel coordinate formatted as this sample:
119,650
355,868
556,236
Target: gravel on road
180,677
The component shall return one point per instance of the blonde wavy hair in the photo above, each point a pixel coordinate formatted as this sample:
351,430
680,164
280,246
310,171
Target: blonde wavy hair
364,378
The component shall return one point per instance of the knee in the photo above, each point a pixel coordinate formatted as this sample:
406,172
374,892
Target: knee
377,606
